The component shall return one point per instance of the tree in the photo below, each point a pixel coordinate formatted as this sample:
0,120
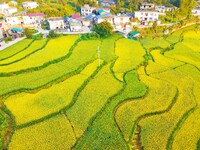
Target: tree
29,33
104,29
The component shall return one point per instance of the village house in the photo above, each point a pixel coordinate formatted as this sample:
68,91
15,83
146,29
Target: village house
75,25
107,3
147,6
29,5
86,10
56,23
196,11
163,9
14,20
147,16
9,11
3,6
34,18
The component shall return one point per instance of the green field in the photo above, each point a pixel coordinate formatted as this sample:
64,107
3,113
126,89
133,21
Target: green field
58,94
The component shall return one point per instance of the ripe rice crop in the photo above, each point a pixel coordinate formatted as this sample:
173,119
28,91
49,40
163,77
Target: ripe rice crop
129,57
54,49
92,99
84,53
107,49
16,48
159,96
34,46
159,128
149,43
32,106
54,133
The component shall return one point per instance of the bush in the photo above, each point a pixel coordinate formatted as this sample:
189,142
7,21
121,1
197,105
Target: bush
7,39
90,36
53,34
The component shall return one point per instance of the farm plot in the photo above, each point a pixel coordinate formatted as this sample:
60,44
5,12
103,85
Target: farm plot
192,40
161,128
103,124
107,49
54,49
82,55
158,98
149,43
175,36
30,50
32,106
14,49
92,98
184,54
54,133
164,61
188,135
130,55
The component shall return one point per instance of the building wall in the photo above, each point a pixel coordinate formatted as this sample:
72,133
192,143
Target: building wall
147,16
56,24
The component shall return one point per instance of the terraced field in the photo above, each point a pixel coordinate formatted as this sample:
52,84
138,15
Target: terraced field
56,94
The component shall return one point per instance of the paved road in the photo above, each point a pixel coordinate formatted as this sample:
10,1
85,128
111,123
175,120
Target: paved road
11,43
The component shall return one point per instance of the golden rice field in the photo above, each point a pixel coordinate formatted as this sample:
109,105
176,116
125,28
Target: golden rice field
56,94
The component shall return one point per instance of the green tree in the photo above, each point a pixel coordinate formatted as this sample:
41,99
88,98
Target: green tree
104,29
29,32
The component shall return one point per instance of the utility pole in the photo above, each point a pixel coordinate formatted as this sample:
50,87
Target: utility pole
99,58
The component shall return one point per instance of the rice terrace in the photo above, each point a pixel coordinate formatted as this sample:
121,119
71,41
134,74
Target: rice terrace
133,94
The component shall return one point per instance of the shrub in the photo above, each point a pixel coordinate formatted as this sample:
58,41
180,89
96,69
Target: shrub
53,34
90,36
7,39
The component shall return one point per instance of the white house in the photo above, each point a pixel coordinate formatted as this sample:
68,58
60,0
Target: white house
196,11
34,18
10,11
147,6
86,10
56,23
147,16
169,9
121,19
29,5
3,6
13,20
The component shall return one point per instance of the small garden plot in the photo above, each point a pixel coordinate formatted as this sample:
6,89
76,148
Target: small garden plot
54,133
